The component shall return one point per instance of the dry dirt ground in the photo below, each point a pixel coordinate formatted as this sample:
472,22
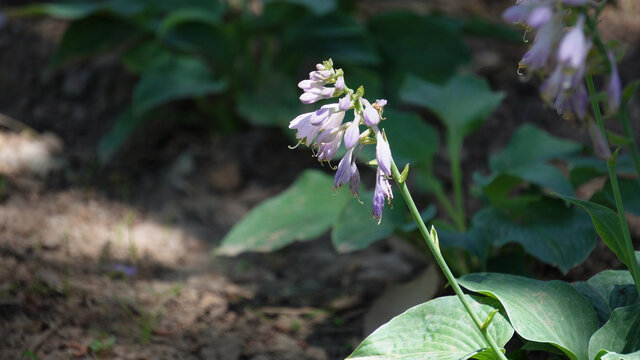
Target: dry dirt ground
116,263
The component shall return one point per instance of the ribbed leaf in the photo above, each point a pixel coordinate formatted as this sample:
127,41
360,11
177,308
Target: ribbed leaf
438,329
542,311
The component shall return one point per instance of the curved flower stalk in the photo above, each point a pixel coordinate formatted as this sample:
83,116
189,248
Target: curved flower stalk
560,53
324,130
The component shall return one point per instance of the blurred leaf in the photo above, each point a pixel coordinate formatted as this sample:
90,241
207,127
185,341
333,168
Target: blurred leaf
430,47
530,145
546,229
525,158
482,27
336,36
607,225
462,104
211,7
264,106
610,355
90,36
82,9
171,78
472,241
316,7
542,311
438,329
608,290
304,211
629,192
193,30
356,228
111,142
621,334
412,140
139,56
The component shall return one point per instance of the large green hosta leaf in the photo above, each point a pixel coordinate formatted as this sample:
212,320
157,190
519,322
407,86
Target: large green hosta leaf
438,329
546,229
304,211
542,311
621,334
609,290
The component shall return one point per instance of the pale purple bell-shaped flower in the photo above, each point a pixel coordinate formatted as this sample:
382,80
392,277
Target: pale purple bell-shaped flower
321,75
572,105
343,172
352,134
380,103
328,143
314,94
324,113
354,180
383,153
573,49
539,16
345,103
537,56
309,84
370,114
382,191
614,86
307,132
552,86
339,85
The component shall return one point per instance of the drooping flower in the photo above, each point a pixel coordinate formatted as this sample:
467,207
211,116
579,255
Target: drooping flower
370,115
325,131
382,191
614,86
573,49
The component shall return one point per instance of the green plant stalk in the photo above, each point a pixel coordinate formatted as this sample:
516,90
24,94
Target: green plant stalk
456,178
453,214
442,263
631,262
633,146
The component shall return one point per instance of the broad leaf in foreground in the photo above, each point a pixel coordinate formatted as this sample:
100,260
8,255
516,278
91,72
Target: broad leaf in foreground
305,210
438,329
542,311
621,334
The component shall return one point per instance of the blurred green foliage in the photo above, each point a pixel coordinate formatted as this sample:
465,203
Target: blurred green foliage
240,60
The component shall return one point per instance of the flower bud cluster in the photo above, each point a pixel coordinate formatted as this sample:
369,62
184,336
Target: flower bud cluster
559,53
324,130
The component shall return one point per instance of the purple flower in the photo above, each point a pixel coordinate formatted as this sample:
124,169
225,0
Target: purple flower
328,143
345,103
574,104
537,56
383,153
339,85
380,103
573,48
552,86
539,16
323,114
343,173
306,131
314,94
370,115
382,191
352,134
614,86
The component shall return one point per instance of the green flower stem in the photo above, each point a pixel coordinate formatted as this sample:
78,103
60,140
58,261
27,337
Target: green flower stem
435,250
633,146
630,261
